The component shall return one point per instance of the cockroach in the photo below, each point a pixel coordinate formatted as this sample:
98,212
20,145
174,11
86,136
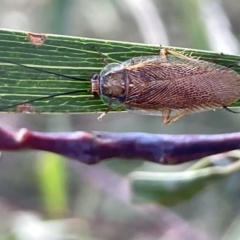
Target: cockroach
170,84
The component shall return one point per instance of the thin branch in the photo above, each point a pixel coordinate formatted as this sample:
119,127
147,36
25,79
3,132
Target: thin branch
93,147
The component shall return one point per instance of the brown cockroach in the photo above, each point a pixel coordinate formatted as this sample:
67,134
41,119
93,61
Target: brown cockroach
170,84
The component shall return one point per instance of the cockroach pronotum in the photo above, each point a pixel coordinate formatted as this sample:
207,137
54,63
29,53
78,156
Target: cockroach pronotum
169,84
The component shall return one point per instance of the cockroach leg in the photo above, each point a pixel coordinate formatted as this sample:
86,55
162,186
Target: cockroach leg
107,110
180,55
163,52
104,57
166,116
229,110
233,64
167,119
215,57
101,116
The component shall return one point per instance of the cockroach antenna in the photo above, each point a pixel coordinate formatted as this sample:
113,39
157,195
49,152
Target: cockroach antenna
40,70
46,97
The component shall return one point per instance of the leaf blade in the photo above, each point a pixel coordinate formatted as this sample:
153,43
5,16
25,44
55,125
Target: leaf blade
70,56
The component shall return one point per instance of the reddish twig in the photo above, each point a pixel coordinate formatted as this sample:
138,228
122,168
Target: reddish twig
94,147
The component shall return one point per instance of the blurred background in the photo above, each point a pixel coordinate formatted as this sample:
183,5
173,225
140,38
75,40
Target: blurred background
43,196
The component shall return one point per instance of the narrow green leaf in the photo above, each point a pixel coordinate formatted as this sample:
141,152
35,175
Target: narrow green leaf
71,56
51,171
175,187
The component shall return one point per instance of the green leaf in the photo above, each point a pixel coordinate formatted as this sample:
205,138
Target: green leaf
72,56
51,171
171,188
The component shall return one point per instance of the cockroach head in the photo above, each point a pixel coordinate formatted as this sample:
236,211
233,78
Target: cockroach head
95,84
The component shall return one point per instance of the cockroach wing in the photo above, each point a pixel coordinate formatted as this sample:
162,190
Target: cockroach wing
174,83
